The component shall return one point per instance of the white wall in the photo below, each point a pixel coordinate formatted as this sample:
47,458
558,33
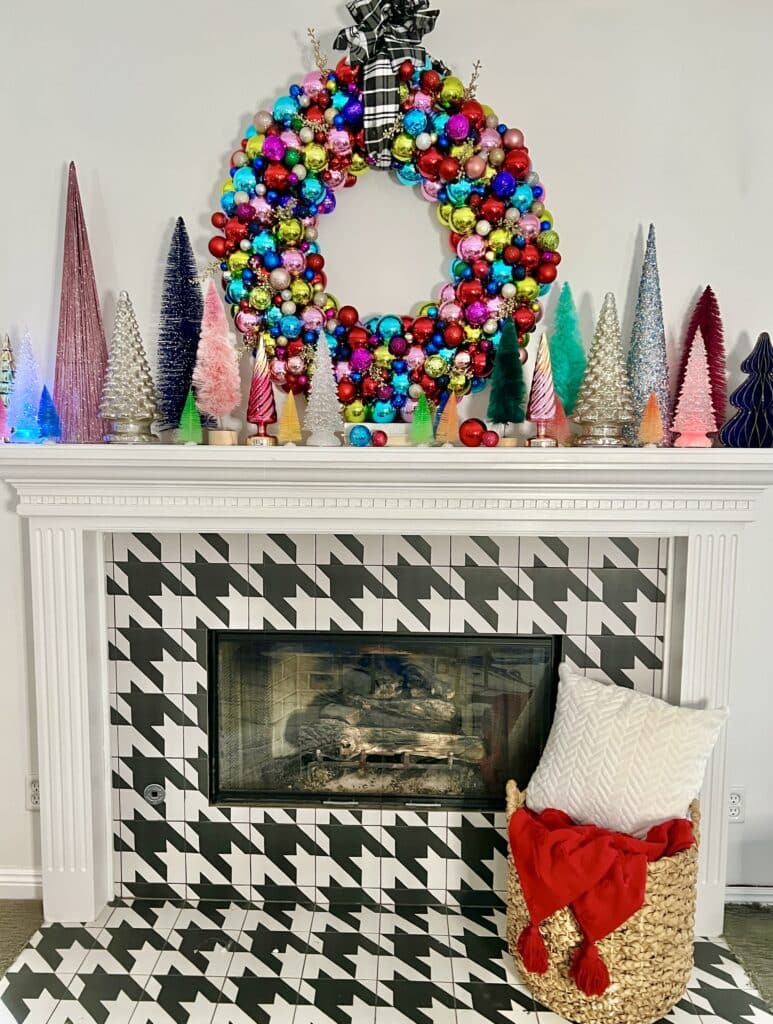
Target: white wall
633,112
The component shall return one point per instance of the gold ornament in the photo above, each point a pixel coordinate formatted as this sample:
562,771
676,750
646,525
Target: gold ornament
435,366
290,231
403,147
548,240
459,383
301,291
260,297
355,412
238,261
382,356
451,91
254,146
315,157
359,164
463,220
498,239
527,289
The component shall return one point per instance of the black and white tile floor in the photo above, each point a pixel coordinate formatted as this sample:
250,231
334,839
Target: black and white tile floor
154,962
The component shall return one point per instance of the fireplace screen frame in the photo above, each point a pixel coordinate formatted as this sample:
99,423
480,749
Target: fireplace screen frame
221,796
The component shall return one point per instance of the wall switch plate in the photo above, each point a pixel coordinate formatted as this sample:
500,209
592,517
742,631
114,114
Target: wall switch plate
33,793
736,805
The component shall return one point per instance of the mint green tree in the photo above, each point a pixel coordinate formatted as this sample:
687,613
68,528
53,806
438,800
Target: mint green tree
567,353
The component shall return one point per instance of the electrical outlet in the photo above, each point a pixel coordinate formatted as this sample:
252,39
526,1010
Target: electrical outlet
33,793
736,805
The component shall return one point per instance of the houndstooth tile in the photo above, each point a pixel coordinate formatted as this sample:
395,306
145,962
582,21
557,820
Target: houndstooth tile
124,949
148,659
146,547
345,549
197,801
415,958
159,915
625,602
30,997
215,595
350,597
216,548
198,951
626,660
495,1002
282,549
417,598
286,596
485,551
246,1000
178,999
401,1001
218,863
100,998
340,1000
624,553
153,852
139,782
145,594
148,724
477,865
348,857
417,550
553,552
555,600
269,953
413,862
488,601
283,856
341,955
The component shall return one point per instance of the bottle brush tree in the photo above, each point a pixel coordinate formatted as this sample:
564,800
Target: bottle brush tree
421,430
48,418
289,427
752,425
567,352
216,373
447,430
189,430
508,390
651,430
707,319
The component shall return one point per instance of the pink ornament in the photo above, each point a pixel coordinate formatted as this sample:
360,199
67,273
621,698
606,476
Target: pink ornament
295,364
262,211
430,190
489,139
246,322
313,83
290,139
447,293
475,167
422,101
414,357
451,311
407,411
334,178
529,225
340,141
293,261
489,438
513,138
278,371
471,247
313,318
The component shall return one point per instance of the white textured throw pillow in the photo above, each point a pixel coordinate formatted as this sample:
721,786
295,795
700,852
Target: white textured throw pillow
620,759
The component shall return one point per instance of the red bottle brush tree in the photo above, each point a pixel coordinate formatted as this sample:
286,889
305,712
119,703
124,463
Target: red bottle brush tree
707,319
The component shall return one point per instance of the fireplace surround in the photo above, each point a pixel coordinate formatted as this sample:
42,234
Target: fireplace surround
695,501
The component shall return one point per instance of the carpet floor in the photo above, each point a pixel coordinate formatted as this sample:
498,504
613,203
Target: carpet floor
749,933
19,919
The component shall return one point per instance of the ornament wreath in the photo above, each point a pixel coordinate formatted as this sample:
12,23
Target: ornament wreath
296,160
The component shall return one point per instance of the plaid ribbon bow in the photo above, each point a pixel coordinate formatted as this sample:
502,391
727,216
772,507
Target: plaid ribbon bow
385,33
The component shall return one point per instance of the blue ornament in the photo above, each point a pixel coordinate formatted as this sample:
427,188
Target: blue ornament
228,203
291,326
312,189
407,174
250,131
273,315
399,366
359,436
458,192
236,290
523,197
353,112
504,185
244,180
400,381
478,384
501,272
383,412
340,99
263,243
272,260
285,109
414,122
390,327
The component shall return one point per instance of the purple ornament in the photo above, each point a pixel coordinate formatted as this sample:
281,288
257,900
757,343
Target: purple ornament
273,148
457,127
360,360
398,346
352,112
476,313
503,185
385,392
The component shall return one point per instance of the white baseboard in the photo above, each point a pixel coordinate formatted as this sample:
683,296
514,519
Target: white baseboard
21,884
749,894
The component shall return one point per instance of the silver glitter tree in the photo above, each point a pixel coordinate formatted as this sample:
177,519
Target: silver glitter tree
647,359
323,413
605,404
129,395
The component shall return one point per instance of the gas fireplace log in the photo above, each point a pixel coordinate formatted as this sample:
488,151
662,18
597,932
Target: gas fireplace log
337,739
415,709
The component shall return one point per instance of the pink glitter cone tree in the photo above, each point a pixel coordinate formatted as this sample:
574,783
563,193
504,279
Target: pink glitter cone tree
216,374
261,407
542,397
81,349
695,412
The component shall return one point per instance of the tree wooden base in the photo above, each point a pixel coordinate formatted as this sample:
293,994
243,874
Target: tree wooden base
130,432
222,437
260,440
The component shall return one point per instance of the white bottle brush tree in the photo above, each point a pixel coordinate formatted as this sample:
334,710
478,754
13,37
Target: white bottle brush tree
323,414
216,374
128,395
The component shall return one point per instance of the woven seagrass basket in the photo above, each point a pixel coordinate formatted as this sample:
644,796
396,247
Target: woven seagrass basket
649,958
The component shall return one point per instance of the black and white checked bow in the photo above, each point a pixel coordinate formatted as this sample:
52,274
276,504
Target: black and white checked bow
385,33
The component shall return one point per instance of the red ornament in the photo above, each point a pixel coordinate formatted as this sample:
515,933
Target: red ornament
453,335
474,113
348,316
369,388
347,391
490,439
547,273
275,177
358,337
429,162
524,319
423,328
492,209
448,169
294,347
471,432
530,256
406,70
345,72
430,81
469,291
218,220
518,162
218,247
314,261
379,438
481,269
511,254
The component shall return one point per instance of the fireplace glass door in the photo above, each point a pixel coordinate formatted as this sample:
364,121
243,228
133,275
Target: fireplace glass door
358,719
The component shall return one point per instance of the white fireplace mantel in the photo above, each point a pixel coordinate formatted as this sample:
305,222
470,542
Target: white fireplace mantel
71,495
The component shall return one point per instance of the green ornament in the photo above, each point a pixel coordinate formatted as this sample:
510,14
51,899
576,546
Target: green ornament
189,431
508,390
421,425
567,353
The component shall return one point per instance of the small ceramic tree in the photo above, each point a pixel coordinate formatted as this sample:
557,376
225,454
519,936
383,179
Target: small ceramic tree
421,432
216,373
189,430
48,418
323,413
261,407
289,427
542,397
447,431
651,431
694,411
25,398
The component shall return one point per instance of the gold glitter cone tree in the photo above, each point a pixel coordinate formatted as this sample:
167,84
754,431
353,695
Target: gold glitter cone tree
605,402
129,395
81,351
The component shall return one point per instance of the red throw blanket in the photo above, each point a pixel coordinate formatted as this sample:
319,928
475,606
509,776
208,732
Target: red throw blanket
601,875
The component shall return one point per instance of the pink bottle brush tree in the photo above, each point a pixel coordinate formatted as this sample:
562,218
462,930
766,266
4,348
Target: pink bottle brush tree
695,411
216,374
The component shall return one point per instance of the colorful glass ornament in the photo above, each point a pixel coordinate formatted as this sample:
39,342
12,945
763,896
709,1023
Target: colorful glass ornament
359,436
